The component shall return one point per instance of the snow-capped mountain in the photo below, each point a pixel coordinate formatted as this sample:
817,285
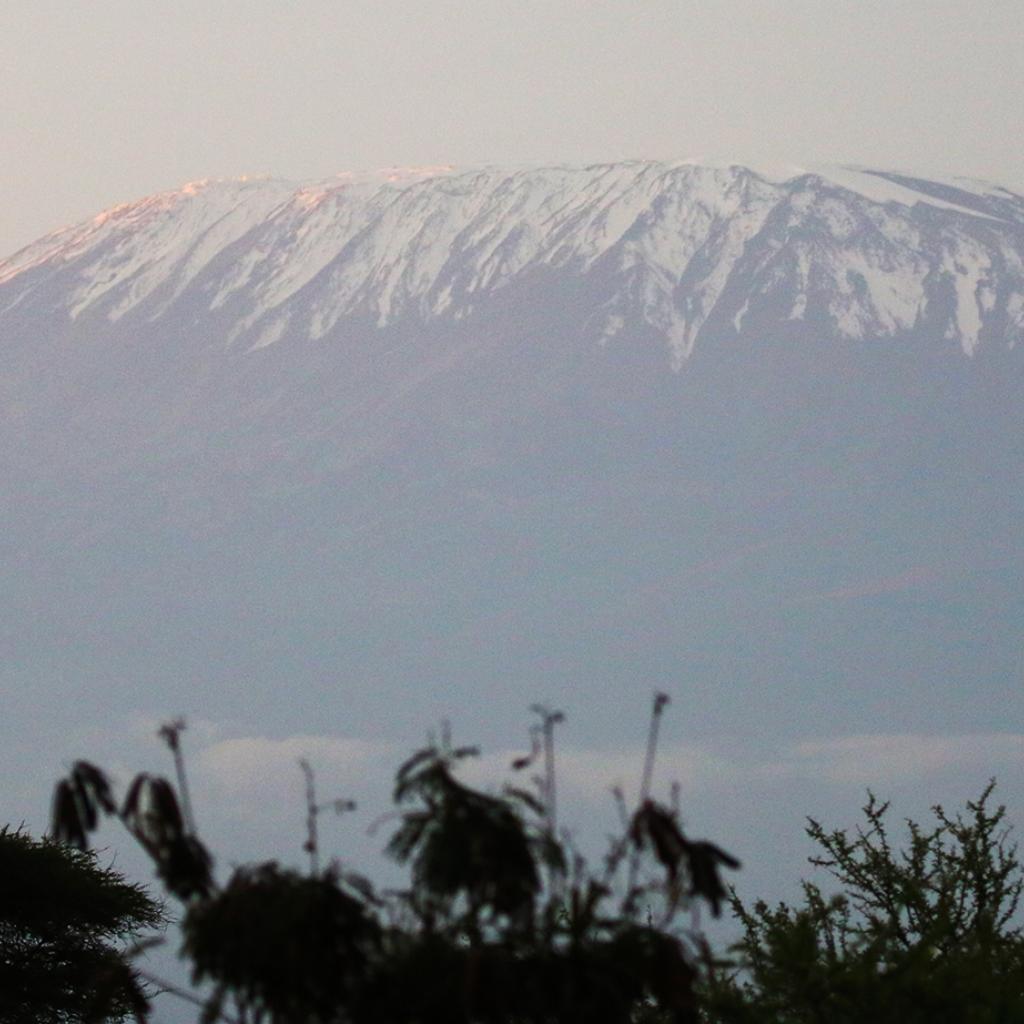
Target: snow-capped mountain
434,441
682,248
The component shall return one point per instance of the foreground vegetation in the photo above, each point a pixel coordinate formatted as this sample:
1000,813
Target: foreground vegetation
504,922
502,919
926,931
64,921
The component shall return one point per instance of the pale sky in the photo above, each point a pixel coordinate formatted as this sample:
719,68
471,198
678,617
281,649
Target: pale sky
111,100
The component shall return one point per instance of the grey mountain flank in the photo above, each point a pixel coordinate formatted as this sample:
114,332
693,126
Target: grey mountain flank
428,438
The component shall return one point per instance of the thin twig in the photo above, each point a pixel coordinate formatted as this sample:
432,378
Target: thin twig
549,719
313,811
660,702
312,845
182,993
170,733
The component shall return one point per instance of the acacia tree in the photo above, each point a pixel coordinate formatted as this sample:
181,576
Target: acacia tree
502,922
64,922
926,931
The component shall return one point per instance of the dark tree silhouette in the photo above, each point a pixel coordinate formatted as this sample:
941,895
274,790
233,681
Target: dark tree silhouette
927,931
502,922
64,922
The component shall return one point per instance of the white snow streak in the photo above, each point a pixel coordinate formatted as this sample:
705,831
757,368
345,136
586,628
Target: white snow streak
671,239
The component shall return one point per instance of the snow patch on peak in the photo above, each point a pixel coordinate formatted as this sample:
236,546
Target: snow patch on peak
396,175
876,185
879,187
776,172
672,245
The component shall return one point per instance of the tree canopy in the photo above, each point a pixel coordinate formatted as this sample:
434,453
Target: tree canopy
502,921
927,930
64,922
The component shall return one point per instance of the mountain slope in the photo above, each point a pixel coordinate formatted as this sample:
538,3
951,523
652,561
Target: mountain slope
456,441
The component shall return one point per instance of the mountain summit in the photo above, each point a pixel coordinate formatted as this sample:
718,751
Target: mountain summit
686,249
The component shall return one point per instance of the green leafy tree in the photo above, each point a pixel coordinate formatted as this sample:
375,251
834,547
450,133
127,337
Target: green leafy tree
924,931
64,923
502,921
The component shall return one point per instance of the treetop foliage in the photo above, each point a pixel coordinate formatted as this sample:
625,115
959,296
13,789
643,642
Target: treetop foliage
502,920
926,930
64,921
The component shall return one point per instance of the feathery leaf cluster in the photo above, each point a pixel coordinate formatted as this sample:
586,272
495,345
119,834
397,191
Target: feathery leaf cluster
502,922
64,921
927,931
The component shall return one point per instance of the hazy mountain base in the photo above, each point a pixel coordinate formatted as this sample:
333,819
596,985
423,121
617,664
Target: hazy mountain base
426,516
